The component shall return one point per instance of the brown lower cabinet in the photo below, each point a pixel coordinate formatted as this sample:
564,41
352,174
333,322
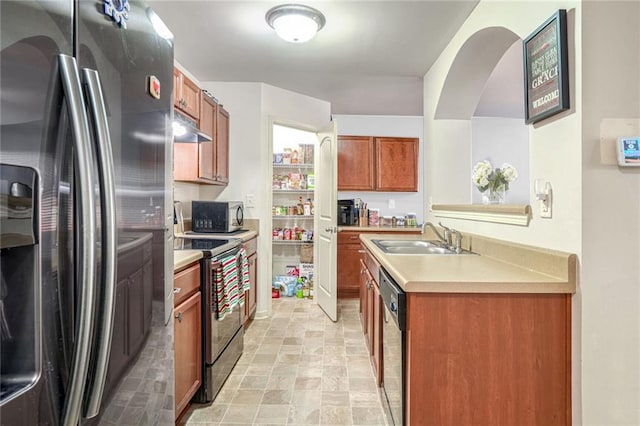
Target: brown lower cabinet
478,359
371,312
132,320
187,331
488,359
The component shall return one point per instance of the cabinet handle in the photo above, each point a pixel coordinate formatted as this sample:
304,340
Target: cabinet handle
353,237
179,316
176,290
362,251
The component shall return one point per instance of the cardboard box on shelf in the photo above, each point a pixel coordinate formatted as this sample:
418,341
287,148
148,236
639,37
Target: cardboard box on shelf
306,270
306,253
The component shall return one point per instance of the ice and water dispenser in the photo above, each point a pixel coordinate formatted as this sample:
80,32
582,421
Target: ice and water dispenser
19,275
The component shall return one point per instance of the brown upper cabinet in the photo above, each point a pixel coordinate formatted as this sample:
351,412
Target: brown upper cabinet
370,163
187,94
356,156
221,146
207,158
205,162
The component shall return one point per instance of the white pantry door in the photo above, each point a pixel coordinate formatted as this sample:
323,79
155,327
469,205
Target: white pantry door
327,221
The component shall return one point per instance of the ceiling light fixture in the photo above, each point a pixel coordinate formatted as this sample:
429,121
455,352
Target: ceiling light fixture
295,23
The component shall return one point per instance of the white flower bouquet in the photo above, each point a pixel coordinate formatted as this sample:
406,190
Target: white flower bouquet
495,180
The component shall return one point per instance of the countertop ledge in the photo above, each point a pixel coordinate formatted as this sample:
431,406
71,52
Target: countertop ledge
495,267
182,258
379,228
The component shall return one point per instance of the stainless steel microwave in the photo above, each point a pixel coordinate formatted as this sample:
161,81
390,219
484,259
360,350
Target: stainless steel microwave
216,216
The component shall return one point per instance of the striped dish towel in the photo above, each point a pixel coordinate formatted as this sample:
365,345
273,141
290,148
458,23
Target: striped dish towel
226,286
244,273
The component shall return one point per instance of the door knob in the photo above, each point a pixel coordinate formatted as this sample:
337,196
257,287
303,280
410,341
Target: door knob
179,316
329,229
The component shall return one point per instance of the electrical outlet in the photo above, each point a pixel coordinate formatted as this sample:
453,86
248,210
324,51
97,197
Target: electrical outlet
251,201
392,203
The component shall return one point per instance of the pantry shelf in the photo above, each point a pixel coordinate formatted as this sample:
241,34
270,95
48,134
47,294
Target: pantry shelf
293,166
293,191
291,242
294,216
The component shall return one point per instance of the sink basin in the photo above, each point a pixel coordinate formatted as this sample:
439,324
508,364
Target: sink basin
404,243
412,247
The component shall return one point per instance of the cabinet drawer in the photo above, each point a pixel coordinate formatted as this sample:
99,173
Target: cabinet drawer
185,282
251,246
349,238
372,265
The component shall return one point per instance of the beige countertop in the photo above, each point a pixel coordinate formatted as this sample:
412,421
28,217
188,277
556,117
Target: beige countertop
496,267
378,229
182,258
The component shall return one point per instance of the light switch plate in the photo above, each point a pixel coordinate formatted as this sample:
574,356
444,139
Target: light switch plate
251,201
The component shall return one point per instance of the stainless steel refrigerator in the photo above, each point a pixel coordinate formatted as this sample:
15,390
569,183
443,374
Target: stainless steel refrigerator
86,264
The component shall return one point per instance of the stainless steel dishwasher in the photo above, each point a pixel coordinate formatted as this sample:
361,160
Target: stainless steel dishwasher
394,320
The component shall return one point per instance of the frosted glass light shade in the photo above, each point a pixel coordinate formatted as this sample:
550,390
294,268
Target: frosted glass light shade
295,23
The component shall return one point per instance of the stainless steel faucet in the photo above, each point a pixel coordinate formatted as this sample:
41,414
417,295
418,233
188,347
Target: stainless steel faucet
452,238
435,230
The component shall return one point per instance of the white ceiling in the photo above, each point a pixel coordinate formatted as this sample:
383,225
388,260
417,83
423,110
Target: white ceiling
368,59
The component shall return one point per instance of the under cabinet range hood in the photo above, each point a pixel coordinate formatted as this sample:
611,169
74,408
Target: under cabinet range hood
185,130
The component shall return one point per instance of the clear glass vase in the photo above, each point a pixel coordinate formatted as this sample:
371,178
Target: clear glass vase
494,195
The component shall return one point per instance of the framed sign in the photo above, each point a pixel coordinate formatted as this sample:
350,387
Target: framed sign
546,73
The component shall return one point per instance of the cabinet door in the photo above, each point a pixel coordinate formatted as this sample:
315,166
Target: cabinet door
348,273
397,164
135,311
376,339
356,163
206,158
363,295
177,88
222,146
188,350
190,97
370,311
185,161
147,288
119,354
253,278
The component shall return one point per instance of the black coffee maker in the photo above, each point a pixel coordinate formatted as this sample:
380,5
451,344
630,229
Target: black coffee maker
347,213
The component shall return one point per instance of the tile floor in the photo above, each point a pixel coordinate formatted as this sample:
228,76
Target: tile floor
298,368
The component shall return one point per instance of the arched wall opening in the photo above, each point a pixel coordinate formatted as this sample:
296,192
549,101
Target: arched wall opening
484,86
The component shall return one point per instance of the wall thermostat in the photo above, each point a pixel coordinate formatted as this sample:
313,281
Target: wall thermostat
629,151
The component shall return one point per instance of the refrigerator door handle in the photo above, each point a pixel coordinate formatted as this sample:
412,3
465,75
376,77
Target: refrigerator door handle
70,80
107,291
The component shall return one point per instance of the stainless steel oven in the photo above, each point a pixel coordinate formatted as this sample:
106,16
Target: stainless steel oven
393,347
222,338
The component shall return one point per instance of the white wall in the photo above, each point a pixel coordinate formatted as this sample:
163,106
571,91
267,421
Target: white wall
555,145
502,140
392,126
610,274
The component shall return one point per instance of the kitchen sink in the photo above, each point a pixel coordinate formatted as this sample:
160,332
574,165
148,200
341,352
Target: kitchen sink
413,247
